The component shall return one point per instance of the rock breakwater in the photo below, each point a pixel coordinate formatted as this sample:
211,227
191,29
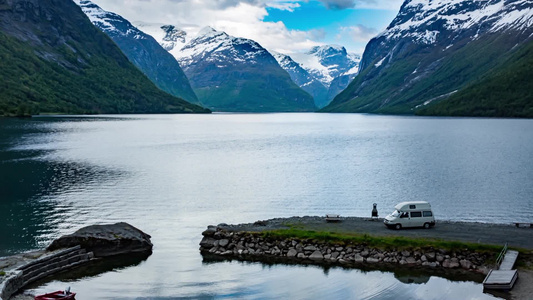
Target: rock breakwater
257,246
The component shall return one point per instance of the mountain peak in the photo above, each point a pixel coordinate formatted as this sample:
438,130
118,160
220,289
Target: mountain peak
173,34
436,51
143,50
428,21
210,31
328,50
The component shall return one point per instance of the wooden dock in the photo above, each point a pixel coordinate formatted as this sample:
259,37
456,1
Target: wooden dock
509,260
504,277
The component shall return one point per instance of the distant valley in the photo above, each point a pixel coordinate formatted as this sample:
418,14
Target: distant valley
454,58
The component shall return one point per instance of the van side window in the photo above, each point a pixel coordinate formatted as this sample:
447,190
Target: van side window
416,214
405,215
412,206
428,214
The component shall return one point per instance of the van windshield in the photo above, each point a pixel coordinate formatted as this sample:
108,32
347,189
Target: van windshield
395,214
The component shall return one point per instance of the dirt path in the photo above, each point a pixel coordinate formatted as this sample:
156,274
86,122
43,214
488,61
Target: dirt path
497,234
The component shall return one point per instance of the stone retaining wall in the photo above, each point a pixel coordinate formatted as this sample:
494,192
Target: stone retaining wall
59,261
251,245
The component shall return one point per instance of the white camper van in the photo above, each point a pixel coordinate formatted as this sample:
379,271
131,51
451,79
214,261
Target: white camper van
411,214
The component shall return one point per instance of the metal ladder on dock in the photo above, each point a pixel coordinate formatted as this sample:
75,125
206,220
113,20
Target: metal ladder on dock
504,277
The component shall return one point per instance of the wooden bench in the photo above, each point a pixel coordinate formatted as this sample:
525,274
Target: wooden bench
333,218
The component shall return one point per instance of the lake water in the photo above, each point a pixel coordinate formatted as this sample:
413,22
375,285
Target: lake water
172,175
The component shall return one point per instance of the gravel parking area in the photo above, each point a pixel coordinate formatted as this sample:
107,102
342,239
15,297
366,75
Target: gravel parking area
485,233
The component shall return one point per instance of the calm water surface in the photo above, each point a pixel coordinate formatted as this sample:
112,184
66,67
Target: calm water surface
173,175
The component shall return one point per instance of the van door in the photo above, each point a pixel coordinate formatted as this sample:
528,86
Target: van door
416,219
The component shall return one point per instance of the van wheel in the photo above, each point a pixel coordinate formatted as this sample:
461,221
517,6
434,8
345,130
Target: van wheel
426,225
398,226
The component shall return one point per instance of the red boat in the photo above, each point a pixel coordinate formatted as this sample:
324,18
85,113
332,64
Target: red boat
57,295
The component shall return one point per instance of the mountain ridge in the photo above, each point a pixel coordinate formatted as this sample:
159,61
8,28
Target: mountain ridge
431,51
142,50
54,60
237,74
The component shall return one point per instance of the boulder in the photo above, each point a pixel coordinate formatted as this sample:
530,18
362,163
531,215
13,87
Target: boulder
210,231
317,255
292,253
107,240
223,242
430,256
208,242
410,260
450,263
465,264
372,260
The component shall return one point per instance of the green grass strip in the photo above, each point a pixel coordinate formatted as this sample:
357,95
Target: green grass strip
383,242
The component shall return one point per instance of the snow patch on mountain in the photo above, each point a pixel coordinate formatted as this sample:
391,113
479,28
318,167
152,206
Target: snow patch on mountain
328,62
218,46
170,37
104,19
416,16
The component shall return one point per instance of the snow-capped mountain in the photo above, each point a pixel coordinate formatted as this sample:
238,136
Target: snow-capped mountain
170,37
322,66
331,65
303,79
237,74
142,50
433,51
328,62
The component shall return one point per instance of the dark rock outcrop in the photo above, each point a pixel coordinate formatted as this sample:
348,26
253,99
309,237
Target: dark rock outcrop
107,240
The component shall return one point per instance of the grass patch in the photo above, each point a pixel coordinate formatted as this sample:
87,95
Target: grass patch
382,242
2,273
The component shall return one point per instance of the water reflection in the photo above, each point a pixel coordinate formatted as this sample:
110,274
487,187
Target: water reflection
404,274
33,188
376,282
94,268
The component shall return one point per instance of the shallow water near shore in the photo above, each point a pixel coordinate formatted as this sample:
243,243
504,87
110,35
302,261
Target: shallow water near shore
173,175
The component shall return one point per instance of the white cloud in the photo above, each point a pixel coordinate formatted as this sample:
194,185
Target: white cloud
240,18
357,33
338,4
371,4
237,18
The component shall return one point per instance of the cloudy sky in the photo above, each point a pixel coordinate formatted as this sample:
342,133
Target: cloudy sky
286,26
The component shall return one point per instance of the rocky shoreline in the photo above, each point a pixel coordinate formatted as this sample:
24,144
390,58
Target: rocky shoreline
226,242
69,252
